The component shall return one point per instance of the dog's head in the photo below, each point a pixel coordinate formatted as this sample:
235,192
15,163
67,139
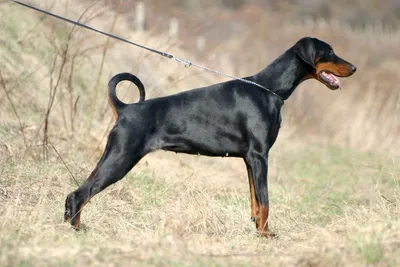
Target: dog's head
326,65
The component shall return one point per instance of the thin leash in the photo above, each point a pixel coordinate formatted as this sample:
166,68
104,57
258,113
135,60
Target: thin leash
187,63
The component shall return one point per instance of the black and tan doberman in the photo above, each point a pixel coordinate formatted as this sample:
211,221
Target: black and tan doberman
234,119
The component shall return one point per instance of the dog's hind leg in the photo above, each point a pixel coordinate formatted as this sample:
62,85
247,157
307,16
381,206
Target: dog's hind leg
119,157
258,163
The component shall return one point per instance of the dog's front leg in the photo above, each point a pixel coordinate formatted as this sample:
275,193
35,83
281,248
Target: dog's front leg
258,165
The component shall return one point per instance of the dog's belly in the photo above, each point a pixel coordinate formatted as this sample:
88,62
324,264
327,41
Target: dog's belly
197,151
216,146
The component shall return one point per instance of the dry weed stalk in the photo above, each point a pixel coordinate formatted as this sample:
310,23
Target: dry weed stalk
53,88
52,92
21,128
103,57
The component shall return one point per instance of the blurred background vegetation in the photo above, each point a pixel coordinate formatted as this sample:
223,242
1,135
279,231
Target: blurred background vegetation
243,36
237,37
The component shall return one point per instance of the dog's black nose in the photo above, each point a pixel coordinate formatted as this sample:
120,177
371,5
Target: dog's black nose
353,68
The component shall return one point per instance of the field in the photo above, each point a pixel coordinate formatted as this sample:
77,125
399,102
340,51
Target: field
334,172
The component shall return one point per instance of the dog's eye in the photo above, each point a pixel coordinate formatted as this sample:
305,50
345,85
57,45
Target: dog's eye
331,53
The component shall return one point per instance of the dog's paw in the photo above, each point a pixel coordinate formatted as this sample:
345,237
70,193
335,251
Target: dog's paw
268,234
67,215
69,207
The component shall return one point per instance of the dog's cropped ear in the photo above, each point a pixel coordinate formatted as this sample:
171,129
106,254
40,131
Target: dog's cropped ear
305,49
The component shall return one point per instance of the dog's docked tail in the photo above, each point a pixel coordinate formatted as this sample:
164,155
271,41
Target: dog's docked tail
113,100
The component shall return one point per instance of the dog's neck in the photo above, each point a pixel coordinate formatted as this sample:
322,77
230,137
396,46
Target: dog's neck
284,74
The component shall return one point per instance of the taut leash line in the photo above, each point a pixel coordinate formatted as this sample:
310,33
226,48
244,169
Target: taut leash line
187,63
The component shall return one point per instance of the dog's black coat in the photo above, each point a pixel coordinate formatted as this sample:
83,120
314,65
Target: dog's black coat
233,118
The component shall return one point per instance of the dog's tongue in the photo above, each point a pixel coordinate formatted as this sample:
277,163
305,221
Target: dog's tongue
332,79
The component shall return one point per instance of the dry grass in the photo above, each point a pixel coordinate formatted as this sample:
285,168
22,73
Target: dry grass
330,205
327,207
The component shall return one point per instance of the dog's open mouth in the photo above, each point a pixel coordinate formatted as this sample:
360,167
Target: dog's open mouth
330,80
